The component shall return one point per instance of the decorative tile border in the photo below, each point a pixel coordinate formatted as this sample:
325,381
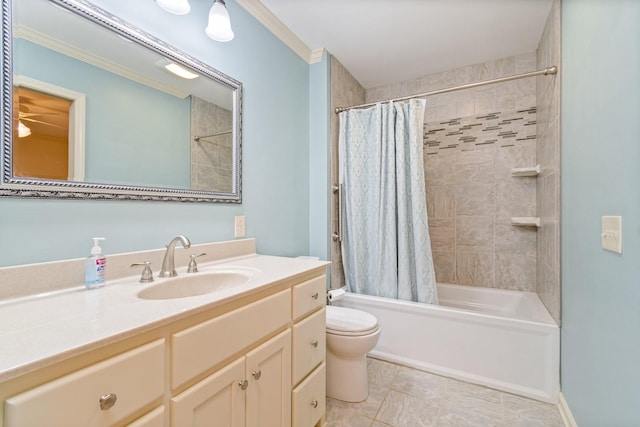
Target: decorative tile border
469,133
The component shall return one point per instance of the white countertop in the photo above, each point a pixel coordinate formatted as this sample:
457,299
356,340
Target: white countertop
39,330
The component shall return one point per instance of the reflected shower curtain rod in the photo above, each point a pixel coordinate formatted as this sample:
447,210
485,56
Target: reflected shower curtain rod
198,138
544,72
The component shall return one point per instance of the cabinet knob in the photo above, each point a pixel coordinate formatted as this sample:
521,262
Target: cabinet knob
314,343
314,403
107,401
243,384
315,296
257,374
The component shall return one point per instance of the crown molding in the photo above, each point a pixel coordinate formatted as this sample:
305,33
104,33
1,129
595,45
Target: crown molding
59,46
273,24
316,55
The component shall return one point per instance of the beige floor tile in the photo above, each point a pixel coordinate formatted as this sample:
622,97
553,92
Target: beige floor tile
474,398
454,414
380,372
342,414
418,383
520,411
404,410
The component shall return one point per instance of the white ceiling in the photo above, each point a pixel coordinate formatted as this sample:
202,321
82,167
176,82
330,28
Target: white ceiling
386,41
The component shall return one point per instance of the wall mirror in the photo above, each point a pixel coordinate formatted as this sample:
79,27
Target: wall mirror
95,108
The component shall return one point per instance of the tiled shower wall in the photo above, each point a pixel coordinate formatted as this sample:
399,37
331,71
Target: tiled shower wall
211,156
471,197
472,140
345,91
548,198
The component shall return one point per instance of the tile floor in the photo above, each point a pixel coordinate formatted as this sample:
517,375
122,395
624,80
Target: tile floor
405,397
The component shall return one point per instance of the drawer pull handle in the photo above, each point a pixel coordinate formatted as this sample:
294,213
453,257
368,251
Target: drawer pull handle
314,343
314,403
257,374
107,401
315,296
243,384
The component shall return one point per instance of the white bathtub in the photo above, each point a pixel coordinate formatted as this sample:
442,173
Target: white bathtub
498,338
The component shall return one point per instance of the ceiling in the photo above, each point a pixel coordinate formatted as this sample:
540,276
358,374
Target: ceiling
386,41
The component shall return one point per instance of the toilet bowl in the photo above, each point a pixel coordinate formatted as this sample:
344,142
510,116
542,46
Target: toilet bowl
351,334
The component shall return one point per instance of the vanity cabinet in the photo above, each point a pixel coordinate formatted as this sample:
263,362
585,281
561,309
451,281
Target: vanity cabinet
256,361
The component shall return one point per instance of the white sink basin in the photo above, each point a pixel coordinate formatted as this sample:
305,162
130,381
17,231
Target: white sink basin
189,285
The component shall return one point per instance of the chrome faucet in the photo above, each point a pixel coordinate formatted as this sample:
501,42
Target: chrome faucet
168,263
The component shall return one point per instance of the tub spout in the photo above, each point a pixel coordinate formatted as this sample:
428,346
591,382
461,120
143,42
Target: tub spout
168,263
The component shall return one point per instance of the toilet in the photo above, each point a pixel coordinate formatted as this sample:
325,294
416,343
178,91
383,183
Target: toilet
351,334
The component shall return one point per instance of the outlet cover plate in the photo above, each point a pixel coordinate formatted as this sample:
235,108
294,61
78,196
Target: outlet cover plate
612,233
240,226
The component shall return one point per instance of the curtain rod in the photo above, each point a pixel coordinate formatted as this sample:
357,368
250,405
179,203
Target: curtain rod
546,71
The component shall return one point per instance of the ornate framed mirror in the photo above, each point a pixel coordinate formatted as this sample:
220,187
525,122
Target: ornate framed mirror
95,108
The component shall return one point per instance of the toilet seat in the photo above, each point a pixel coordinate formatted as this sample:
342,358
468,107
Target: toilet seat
350,322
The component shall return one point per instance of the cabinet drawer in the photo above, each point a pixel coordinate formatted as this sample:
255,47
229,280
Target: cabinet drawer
309,295
154,418
309,348
308,399
136,378
202,347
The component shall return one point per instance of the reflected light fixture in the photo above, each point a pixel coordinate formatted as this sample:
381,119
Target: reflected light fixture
178,7
176,69
219,26
180,71
23,130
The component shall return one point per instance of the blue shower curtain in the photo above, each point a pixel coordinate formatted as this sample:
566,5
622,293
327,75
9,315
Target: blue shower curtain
386,248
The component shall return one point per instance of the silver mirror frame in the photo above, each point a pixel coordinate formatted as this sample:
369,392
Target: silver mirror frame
36,188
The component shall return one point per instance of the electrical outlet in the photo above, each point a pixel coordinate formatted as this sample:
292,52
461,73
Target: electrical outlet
240,226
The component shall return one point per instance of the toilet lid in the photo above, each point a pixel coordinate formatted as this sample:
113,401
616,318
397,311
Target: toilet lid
342,319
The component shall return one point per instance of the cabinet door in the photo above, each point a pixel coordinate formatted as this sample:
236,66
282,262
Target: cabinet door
218,400
269,391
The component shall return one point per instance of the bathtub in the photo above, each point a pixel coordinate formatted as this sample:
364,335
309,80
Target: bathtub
497,338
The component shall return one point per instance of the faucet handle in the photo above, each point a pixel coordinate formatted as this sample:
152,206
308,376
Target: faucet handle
193,266
147,274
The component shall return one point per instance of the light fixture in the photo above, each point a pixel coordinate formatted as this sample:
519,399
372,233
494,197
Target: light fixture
178,7
219,26
23,130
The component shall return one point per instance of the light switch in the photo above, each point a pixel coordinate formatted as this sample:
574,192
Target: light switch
240,226
612,233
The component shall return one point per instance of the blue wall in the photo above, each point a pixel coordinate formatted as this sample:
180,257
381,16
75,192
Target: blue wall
126,121
601,176
275,157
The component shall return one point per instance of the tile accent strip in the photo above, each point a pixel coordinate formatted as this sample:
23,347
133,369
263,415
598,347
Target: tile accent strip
477,131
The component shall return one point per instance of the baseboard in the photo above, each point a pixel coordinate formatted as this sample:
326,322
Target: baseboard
565,412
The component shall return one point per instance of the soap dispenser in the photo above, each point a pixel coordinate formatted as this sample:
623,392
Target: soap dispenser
95,267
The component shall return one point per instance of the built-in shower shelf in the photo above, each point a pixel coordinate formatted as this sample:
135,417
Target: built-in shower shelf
525,221
530,171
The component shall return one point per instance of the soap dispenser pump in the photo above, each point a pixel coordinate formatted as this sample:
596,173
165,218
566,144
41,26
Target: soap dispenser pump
95,267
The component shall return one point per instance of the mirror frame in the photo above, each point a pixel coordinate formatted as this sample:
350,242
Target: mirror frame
11,186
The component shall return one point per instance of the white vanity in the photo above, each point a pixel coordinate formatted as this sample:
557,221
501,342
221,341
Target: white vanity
246,354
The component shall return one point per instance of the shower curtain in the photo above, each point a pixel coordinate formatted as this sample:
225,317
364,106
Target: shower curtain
386,248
